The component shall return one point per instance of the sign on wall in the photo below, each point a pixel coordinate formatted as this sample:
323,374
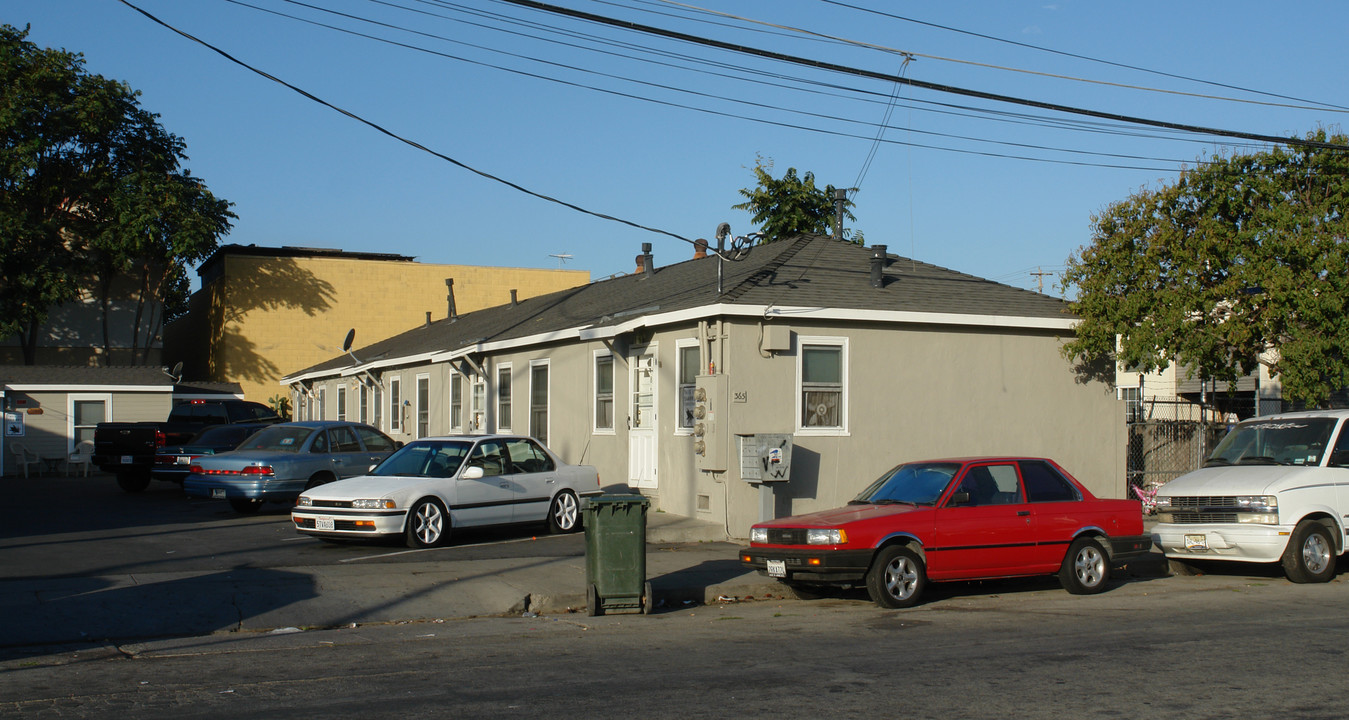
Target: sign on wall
14,424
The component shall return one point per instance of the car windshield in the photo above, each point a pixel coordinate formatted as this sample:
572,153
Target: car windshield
280,438
1289,441
914,483
425,458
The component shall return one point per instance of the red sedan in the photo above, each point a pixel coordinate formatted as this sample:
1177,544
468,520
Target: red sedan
956,519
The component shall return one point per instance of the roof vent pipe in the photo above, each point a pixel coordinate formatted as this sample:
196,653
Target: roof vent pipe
449,298
428,318
648,264
699,249
514,300
878,258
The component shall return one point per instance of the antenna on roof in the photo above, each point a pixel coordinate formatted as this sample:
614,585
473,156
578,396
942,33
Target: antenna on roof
562,258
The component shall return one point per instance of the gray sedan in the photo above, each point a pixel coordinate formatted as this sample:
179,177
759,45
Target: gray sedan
282,461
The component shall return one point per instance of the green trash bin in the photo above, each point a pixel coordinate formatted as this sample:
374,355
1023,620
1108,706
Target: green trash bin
615,527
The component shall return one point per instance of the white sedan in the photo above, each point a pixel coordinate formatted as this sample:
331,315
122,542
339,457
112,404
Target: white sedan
434,484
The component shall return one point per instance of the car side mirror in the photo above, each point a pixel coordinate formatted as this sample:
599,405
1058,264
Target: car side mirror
472,472
960,498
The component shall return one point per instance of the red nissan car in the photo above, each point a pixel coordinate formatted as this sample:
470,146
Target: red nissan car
955,519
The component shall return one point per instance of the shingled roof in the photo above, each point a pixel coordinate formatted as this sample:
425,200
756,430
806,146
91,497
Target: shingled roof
806,272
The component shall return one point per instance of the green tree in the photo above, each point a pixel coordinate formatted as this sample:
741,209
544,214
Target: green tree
791,205
90,188
1243,261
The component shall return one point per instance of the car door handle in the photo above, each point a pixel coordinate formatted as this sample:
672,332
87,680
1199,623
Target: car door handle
1022,513
505,484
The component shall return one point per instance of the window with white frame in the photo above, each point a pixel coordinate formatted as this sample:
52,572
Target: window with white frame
602,419
365,403
377,404
503,397
341,402
477,402
456,401
687,364
538,400
86,411
822,385
322,403
395,405
423,405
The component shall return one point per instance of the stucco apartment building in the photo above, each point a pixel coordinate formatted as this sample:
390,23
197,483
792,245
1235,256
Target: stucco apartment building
263,312
853,358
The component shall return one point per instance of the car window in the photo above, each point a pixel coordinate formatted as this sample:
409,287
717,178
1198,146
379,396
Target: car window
527,457
375,441
344,439
1045,484
278,438
320,444
223,435
991,485
425,458
490,455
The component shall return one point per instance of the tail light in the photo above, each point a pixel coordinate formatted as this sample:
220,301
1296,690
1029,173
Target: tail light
257,470
160,440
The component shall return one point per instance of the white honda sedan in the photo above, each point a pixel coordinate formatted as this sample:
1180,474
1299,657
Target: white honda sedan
435,484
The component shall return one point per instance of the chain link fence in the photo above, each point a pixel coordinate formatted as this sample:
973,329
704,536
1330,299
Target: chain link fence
1168,438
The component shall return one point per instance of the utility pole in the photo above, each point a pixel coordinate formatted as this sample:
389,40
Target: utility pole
1040,279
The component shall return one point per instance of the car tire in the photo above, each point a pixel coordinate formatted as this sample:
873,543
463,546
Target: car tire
246,506
1086,567
133,482
317,480
428,525
896,578
1310,555
564,513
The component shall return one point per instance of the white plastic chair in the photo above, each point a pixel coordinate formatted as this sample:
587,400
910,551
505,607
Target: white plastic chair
25,457
83,456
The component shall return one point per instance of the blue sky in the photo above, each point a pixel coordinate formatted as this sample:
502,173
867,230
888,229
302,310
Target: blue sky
674,156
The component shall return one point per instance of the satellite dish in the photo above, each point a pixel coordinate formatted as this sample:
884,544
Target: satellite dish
351,337
177,370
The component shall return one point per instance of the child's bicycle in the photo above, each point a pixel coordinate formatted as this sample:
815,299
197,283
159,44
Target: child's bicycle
1147,494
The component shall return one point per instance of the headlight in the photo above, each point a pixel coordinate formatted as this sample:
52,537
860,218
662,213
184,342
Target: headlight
1163,502
820,536
1257,503
758,535
372,504
304,501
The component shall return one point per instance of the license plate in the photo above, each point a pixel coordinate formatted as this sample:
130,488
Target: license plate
183,460
324,523
1196,542
127,460
218,493
777,568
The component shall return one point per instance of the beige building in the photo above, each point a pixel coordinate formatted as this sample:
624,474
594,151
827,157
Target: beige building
854,359
263,312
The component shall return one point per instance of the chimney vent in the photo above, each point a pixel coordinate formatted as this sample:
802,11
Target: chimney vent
648,265
514,301
428,318
449,298
699,249
878,260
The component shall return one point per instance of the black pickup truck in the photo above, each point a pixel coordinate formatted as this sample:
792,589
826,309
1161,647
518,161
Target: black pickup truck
127,449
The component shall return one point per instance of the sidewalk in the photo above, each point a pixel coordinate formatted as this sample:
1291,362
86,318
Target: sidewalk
688,561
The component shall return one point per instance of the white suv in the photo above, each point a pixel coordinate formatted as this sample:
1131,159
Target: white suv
1276,489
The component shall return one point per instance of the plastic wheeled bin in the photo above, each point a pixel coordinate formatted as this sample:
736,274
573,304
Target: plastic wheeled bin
615,527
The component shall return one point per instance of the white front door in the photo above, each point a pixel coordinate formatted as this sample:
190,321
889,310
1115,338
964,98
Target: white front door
642,421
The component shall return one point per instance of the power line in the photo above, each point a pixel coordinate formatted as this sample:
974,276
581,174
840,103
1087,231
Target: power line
936,87
395,136
1084,57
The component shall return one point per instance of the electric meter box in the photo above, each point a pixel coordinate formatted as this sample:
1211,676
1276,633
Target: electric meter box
765,457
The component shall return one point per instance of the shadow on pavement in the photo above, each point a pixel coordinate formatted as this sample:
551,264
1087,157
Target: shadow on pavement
115,609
